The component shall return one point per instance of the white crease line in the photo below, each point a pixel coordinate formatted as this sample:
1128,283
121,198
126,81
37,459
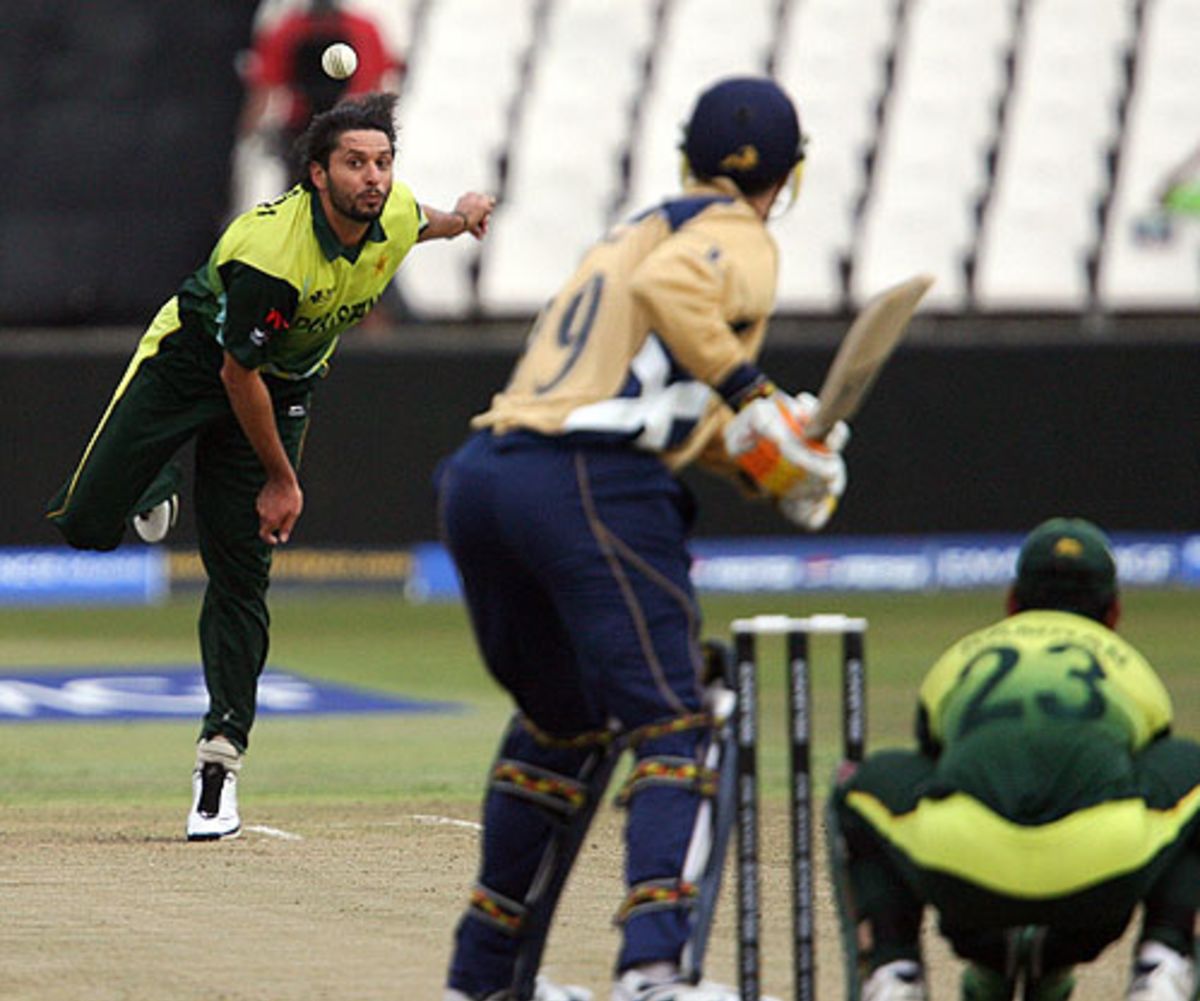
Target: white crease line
429,818
274,832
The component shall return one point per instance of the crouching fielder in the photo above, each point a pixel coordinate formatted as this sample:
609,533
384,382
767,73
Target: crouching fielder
570,533
1047,801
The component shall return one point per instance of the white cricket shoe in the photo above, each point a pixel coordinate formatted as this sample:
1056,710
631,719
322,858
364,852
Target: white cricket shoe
544,990
547,990
635,985
1161,974
902,980
153,524
214,814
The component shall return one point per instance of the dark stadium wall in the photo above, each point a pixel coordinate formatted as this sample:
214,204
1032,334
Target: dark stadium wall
962,439
121,116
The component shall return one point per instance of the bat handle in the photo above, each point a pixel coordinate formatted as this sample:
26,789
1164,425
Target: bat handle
817,428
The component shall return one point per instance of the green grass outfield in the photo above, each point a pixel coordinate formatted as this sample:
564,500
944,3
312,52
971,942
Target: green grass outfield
377,640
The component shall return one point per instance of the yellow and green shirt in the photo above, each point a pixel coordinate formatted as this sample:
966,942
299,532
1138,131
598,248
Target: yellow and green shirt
1039,670
1039,714
1035,723
279,289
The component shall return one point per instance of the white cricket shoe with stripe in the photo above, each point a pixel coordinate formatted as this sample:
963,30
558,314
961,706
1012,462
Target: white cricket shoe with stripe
153,525
1161,974
214,813
636,985
902,980
544,990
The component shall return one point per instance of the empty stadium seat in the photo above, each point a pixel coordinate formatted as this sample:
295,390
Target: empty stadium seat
1042,223
831,60
532,252
1161,130
563,179
700,42
932,159
455,118
564,165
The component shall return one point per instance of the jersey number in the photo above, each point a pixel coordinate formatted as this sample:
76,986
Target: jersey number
985,708
574,327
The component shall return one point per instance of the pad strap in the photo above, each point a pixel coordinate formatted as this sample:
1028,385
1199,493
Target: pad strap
668,771
656,895
579,741
497,910
690,721
560,793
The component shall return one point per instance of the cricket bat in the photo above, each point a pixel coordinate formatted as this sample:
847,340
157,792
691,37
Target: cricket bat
864,350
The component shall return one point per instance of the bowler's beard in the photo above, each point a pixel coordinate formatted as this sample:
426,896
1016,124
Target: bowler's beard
354,207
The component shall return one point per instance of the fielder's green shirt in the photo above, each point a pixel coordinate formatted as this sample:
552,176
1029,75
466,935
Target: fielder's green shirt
1036,723
1038,715
279,288
1038,671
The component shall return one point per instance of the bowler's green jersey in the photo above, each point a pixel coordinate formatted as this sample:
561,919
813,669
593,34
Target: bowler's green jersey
279,288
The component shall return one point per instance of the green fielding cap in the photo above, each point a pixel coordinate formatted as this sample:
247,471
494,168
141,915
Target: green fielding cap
1066,563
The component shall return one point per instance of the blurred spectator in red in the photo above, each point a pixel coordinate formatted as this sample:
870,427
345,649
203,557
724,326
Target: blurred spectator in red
286,86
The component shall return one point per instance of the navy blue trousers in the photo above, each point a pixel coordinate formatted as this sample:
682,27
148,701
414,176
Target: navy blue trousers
575,568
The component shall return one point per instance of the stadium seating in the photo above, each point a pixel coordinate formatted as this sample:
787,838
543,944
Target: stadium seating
1011,147
564,167
699,41
465,71
930,170
832,57
1144,266
1062,119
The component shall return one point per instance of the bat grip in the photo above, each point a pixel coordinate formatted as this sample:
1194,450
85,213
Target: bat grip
817,428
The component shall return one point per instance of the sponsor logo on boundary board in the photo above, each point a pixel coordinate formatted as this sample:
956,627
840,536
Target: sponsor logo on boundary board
177,692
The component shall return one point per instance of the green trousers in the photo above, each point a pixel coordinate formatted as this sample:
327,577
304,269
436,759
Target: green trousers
171,394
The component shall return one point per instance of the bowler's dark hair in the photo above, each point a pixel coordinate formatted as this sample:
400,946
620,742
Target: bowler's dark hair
376,112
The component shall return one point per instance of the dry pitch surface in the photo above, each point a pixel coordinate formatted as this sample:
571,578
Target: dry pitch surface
348,902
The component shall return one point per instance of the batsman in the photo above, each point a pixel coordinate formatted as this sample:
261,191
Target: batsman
569,528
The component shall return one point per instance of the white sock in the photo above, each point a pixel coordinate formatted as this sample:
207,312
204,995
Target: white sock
218,749
661,972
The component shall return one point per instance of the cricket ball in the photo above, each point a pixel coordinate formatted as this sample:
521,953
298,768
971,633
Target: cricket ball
339,60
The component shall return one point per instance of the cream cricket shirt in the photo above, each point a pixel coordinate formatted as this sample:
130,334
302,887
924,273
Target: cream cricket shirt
662,320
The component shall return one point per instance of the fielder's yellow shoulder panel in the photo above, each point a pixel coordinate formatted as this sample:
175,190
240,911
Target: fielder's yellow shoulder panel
962,837
275,238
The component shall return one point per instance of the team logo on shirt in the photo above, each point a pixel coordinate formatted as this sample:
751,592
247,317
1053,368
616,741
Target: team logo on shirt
275,321
346,315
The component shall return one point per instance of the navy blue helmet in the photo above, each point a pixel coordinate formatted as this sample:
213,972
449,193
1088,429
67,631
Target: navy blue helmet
746,129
